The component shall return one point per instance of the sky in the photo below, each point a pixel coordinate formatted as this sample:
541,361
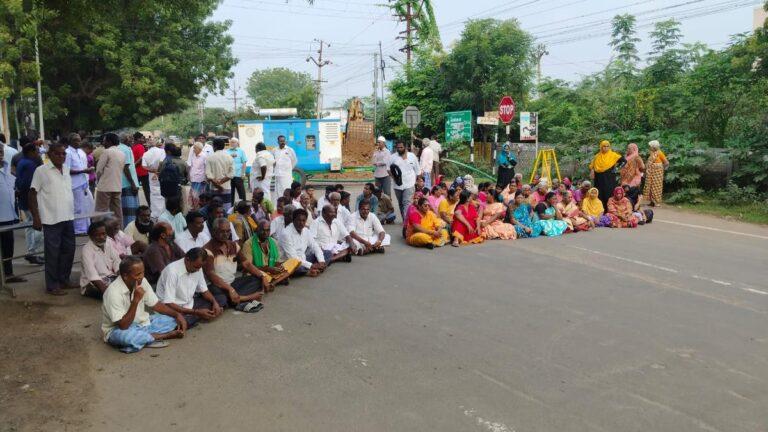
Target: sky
282,33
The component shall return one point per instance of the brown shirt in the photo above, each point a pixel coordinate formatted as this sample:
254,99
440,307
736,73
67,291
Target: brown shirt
109,170
156,258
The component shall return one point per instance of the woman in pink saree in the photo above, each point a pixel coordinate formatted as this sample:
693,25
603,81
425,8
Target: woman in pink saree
492,224
572,214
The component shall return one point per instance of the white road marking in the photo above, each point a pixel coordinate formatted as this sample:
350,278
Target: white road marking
744,287
712,229
487,424
633,261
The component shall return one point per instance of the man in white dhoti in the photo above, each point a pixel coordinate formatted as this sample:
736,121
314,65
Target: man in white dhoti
151,162
285,161
368,234
262,170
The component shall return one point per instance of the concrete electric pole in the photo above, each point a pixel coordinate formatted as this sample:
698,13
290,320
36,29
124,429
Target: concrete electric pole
539,52
320,63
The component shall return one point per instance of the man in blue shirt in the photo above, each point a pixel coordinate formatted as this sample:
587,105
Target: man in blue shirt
239,160
25,170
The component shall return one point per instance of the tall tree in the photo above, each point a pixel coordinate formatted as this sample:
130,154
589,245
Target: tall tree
422,17
624,42
665,36
114,63
283,88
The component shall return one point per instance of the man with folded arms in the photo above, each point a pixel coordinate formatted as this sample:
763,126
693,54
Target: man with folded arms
179,283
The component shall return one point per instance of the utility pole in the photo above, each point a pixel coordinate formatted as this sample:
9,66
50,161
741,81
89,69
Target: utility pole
200,112
320,63
409,28
39,90
375,88
234,95
539,52
382,66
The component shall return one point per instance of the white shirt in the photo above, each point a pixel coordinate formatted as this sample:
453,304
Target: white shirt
177,286
264,158
367,228
207,149
77,160
328,236
320,204
152,158
97,263
232,231
295,245
186,242
54,194
117,300
276,227
409,168
10,152
7,193
346,217
427,159
285,160
436,149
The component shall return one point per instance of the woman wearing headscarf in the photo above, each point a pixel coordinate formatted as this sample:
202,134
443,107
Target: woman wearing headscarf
620,210
654,179
603,170
631,173
593,209
492,225
466,221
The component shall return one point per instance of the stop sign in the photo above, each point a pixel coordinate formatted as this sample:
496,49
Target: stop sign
506,109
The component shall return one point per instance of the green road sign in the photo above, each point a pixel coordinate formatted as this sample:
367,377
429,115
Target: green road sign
458,126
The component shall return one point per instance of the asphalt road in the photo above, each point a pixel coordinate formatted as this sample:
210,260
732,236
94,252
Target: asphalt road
662,328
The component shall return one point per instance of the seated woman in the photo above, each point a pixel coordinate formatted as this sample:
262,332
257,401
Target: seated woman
540,194
492,225
447,206
592,208
521,216
263,252
620,210
424,228
550,219
466,221
435,197
572,214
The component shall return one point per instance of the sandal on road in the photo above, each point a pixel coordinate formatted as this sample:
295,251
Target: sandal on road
158,344
250,307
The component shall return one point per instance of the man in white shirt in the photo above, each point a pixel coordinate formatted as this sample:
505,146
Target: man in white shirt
380,160
125,322
99,263
77,162
278,224
404,176
194,236
180,281
151,162
332,236
336,199
262,170
297,241
207,147
53,212
368,233
436,149
426,160
285,161
219,170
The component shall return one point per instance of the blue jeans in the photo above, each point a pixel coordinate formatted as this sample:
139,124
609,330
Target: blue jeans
135,337
427,179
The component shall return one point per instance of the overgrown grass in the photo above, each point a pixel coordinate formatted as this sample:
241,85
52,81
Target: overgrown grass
756,212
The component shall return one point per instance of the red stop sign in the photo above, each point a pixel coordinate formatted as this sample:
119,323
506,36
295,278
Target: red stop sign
506,109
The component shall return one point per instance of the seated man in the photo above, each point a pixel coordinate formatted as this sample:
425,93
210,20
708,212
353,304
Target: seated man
179,283
123,243
100,264
223,257
368,234
298,242
262,208
194,236
278,224
139,228
241,221
386,211
262,250
367,194
125,322
332,236
173,214
162,251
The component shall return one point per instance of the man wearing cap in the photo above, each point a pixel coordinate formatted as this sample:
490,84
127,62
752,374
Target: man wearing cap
380,164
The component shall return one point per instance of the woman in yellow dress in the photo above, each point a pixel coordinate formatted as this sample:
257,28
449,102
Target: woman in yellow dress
654,174
424,228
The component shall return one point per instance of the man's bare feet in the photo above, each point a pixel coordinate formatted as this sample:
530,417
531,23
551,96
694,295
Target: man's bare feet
174,334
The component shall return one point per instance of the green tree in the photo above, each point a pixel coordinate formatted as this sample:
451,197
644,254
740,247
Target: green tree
283,88
186,123
665,36
423,21
624,42
113,63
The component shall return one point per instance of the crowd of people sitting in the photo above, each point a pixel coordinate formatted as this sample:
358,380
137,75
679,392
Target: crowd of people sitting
188,256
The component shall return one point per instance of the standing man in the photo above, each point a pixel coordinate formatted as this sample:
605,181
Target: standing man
151,162
139,148
426,160
404,167
285,161
262,170
109,178
8,214
53,211
130,194
25,170
436,150
219,170
380,163
239,161
77,162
